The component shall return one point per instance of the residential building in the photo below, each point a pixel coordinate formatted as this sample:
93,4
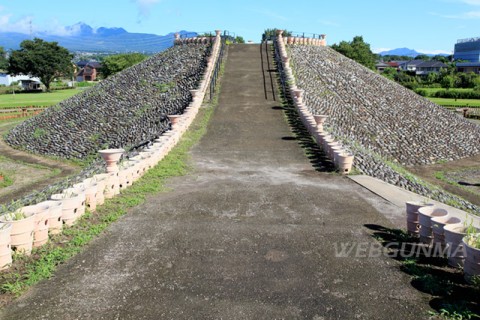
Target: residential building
429,67
467,49
26,82
468,67
380,66
88,70
410,65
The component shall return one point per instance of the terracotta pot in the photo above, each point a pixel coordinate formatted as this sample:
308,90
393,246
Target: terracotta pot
55,223
345,162
471,267
111,157
194,93
438,224
42,214
21,235
338,150
80,190
89,187
320,118
73,205
335,151
174,119
124,176
332,146
326,140
101,181
298,94
412,216
5,245
425,220
112,185
454,234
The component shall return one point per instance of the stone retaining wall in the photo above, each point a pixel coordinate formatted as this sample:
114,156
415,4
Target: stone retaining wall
122,111
383,124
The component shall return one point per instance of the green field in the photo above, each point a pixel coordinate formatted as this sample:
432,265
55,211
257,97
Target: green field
36,99
458,102
432,91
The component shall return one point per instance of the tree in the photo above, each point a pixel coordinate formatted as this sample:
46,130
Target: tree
271,33
3,59
441,59
239,39
432,78
466,80
422,57
357,50
390,73
448,82
116,63
38,58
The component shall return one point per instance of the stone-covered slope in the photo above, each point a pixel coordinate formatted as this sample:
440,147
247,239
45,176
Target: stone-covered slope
122,111
375,114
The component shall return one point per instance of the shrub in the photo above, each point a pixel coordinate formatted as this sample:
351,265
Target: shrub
455,94
422,92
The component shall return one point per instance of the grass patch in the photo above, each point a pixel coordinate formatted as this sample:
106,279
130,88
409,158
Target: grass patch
5,180
26,271
432,91
36,99
457,102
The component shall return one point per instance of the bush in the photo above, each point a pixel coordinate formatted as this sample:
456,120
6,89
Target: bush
422,92
455,94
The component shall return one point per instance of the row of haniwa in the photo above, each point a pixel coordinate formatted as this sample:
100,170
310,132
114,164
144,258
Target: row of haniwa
307,41
336,152
196,40
30,226
452,237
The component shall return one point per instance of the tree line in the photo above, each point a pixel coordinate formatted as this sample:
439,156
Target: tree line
447,78
49,61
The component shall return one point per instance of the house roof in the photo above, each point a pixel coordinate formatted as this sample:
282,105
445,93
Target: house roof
468,64
93,64
414,62
432,64
393,64
381,64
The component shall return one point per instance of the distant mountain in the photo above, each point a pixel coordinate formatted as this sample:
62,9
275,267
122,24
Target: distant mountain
406,52
84,38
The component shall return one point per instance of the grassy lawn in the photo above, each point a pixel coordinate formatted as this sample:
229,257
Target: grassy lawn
458,102
432,91
36,99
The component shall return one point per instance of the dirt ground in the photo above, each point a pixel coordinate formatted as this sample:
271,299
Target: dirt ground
461,177
29,172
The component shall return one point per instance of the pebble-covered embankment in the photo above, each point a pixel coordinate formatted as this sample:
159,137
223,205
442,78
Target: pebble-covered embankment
122,111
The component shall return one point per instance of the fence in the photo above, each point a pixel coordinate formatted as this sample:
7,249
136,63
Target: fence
218,64
20,112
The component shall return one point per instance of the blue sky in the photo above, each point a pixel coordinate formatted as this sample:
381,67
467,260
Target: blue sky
429,26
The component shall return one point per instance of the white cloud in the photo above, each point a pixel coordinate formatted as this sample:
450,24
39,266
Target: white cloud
471,2
22,25
57,29
461,16
434,51
378,50
145,6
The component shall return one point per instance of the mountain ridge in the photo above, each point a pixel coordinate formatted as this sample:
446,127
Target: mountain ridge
81,37
408,52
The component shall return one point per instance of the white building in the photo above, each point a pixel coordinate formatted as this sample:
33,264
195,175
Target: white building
6,79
